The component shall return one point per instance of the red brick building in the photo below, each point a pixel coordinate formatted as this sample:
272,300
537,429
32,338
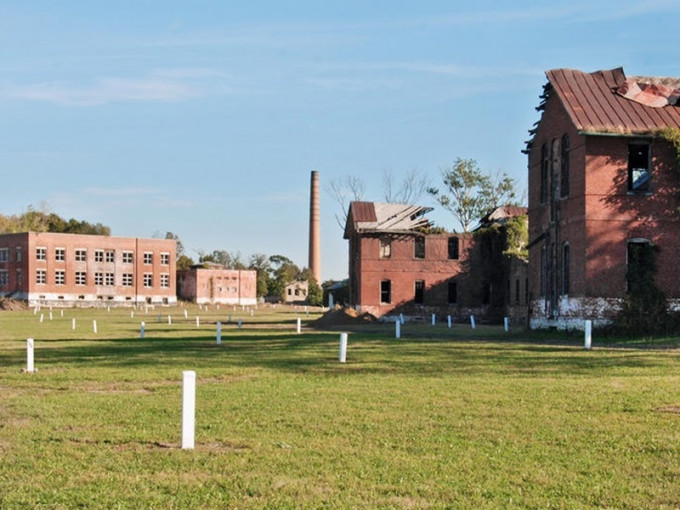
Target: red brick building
602,183
212,283
395,266
66,269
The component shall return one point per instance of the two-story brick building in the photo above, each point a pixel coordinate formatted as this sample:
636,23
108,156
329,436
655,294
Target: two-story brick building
396,265
209,282
603,183
66,269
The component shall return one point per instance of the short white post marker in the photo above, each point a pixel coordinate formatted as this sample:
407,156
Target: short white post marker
198,321
30,367
94,326
169,319
186,314
589,335
434,319
343,347
42,317
299,325
188,408
472,321
240,323
506,324
397,329
73,324
448,318
219,333
141,330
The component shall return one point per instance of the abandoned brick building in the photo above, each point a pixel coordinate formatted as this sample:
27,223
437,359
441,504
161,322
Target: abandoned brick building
397,266
67,269
603,184
209,282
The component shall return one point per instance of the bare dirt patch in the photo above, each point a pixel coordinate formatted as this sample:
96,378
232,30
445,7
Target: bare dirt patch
11,305
343,317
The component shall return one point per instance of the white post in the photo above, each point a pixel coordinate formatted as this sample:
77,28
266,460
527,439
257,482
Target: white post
186,314
169,319
35,310
132,314
240,323
160,319
299,325
73,324
472,321
343,347
30,367
252,312
589,335
141,330
42,317
50,315
108,308
219,333
94,326
397,330
62,312
448,319
401,318
506,324
198,322
188,408
434,319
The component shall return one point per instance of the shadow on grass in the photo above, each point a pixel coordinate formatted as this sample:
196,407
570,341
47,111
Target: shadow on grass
318,353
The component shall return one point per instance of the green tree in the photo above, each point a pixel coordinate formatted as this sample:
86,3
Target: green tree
260,263
184,262
314,291
224,258
470,193
284,271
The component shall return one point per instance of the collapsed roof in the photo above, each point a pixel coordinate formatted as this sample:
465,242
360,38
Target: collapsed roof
367,217
608,102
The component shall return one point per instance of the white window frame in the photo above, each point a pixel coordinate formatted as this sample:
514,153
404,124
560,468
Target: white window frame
148,280
80,255
165,280
128,257
60,254
40,253
109,279
148,258
99,279
127,280
99,255
41,276
60,277
4,254
81,278
165,258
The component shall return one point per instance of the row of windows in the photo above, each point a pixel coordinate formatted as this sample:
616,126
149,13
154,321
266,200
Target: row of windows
4,254
418,248
103,279
419,292
80,255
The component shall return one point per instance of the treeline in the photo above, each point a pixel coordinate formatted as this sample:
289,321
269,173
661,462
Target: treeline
41,221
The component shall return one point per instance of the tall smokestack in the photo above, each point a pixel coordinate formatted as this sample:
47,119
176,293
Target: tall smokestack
314,228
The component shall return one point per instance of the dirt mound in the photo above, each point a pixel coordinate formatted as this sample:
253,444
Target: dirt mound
8,304
343,317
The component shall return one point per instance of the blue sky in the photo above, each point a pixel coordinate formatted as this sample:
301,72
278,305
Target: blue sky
206,118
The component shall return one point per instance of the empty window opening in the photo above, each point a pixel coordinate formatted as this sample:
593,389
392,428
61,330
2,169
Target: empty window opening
453,248
565,269
386,291
385,248
453,292
564,175
419,248
638,167
419,295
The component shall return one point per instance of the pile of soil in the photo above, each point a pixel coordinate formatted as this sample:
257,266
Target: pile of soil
7,304
343,317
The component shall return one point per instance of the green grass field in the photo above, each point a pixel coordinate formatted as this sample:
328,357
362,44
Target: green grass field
440,418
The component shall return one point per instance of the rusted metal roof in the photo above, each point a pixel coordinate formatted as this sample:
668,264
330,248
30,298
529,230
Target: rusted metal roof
382,217
595,103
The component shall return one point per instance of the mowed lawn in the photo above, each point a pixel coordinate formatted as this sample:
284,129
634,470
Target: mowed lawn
439,418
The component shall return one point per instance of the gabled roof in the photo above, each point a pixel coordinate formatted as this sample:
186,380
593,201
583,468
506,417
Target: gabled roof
380,217
608,102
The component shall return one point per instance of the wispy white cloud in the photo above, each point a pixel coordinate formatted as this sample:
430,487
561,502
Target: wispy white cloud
160,85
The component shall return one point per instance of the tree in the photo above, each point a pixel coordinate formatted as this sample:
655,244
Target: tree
260,263
409,191
224,258
43,221
184,262
180,246
314,291
284,271
470,193
343,191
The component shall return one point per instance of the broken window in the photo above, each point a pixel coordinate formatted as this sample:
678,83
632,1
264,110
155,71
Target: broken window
385,291
453,248
638,167
453,292
545,165
419,248
564,175
419,295
385,248
565,268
